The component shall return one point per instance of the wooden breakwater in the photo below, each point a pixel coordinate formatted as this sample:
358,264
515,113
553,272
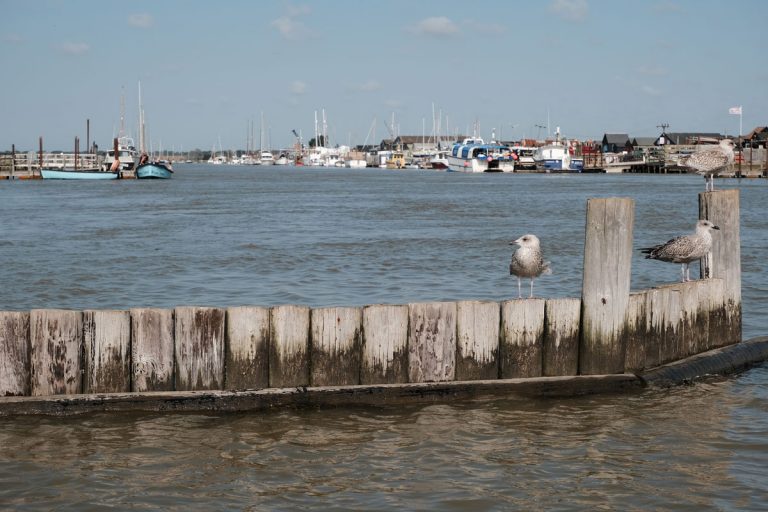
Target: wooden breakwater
609,330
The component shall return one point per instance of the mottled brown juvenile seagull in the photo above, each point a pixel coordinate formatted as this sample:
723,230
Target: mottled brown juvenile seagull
684,249
710,161
527,261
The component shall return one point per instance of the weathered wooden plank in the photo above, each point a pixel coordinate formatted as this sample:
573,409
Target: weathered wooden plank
606,284
477,325
385,344
55,344
152,349
673,318
199,348
432,342
289,346
14,353
692,318
560,350
335,340
106,351
247,348
723,208
721,321
636,336
522,338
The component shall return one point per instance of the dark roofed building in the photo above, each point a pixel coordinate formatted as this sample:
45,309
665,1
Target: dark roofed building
616,143
757,137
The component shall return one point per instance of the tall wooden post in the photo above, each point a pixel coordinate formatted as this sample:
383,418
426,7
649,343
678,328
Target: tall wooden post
605,289
722,208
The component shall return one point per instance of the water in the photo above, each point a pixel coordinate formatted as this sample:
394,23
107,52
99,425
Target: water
228,236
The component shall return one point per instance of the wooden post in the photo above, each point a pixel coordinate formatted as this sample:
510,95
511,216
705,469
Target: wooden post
55,342
636,338
199,348
722,208
152,349
247,348
385,345
560,351
335,340
605,289
289,346
432,342
522,338
14,354
107,351
477,324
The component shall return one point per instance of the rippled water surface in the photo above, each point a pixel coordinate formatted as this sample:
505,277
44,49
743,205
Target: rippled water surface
227,235
702,447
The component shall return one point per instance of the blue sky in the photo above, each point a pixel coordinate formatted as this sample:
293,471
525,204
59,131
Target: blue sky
208,70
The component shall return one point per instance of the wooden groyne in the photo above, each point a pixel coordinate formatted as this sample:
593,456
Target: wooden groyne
450,348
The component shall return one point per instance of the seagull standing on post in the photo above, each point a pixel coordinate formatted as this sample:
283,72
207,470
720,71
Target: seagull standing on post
710,161
684,249
527,261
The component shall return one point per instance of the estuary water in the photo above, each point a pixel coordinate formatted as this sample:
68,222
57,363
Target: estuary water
221,235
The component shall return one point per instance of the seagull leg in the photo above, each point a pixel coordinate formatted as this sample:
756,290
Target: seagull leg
519,290
531,296
682,272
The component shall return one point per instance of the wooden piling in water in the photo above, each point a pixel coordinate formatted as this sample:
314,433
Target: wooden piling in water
477,351
606,284
55,342
247,348
385,344
289,346
560,348
723,208
522,338
432,342
152,349
199,348
106,351
14,353
336,337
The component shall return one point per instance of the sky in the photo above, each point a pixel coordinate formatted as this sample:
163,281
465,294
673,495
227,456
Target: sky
212,74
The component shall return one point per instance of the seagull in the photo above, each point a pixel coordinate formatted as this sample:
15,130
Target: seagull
527,261
684,249
710,161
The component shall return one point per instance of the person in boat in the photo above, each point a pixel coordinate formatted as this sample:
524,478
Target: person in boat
144,159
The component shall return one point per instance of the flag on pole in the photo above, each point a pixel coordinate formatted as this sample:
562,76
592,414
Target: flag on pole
735,111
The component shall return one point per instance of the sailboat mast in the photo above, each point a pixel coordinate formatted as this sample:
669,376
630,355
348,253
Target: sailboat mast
141,123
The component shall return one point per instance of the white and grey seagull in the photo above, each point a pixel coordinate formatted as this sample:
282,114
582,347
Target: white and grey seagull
684,249
527,261
710,161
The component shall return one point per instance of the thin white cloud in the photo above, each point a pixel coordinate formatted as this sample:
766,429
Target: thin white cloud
667,7
652,70
651,91
289,26
298,10
486,27
368,86
72,48
298,87
141,20
13,38
436,26
571,10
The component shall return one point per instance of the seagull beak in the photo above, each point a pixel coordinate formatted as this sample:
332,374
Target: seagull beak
716,227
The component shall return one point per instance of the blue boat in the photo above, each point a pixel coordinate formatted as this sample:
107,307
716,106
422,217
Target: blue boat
79,174
160,170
